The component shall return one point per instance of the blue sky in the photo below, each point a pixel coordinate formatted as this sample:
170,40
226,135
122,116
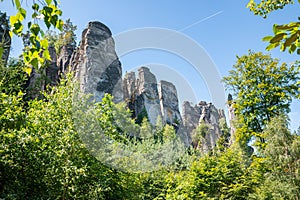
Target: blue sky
223,29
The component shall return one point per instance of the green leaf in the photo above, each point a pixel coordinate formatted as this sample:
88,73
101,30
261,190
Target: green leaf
23,12
291,39
18,4
277,38
267,38
28,70
35,7
292,48
35,29
48,2
1,52
34,62
46,55
271,46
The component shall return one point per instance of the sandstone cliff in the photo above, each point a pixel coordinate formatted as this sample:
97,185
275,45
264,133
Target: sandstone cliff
96,64
97,68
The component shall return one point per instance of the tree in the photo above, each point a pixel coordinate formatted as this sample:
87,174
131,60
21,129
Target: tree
47,11
43,156
66,37
221,176
281,155
287,35
263,89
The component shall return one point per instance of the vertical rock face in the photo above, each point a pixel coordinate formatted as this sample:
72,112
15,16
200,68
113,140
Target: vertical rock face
147,98
203,113
169,103
52,68
129,86
231,116
39,79
190,115
64,57
5,40
96,64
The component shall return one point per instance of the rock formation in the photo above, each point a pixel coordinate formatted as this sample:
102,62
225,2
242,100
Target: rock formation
142,95
46,76
5,40
231,117
169,103
96,63
64,57
205,113
98,70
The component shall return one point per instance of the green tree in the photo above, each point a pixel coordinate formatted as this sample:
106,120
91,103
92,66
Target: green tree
43,156
12,77
263,89
285,36
221,176
281,155
66,37
47,11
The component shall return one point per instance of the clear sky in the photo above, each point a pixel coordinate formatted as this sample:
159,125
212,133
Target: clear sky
223,29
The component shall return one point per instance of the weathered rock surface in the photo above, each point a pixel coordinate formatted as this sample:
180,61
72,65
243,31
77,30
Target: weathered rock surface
96,64
231,116
64,57
39,79
52,69
169,103
147,98
203,113
98,70
5,40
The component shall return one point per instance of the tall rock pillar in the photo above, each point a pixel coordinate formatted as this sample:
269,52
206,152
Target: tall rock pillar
96,64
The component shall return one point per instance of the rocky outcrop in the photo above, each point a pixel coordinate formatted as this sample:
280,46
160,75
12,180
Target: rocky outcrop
38,80
97,68
145,97
96,63
52,69
64,57
5,40
141,95
205,113
231,117
169,103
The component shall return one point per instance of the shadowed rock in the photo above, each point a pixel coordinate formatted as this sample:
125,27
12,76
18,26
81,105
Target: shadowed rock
96,64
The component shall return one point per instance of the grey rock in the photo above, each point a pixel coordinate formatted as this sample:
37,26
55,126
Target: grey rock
64,57
52,77
231,117
5,40
169,103
203,113
96,64
147,95
38,80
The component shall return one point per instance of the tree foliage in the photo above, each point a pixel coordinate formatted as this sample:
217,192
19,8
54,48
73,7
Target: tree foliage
47,11
285,36
66,37
262,88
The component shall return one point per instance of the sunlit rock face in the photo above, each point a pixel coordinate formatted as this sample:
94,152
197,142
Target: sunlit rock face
205,113
141,95
96,64
64,57
169,103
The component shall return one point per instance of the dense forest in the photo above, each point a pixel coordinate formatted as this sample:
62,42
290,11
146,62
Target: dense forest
44,154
